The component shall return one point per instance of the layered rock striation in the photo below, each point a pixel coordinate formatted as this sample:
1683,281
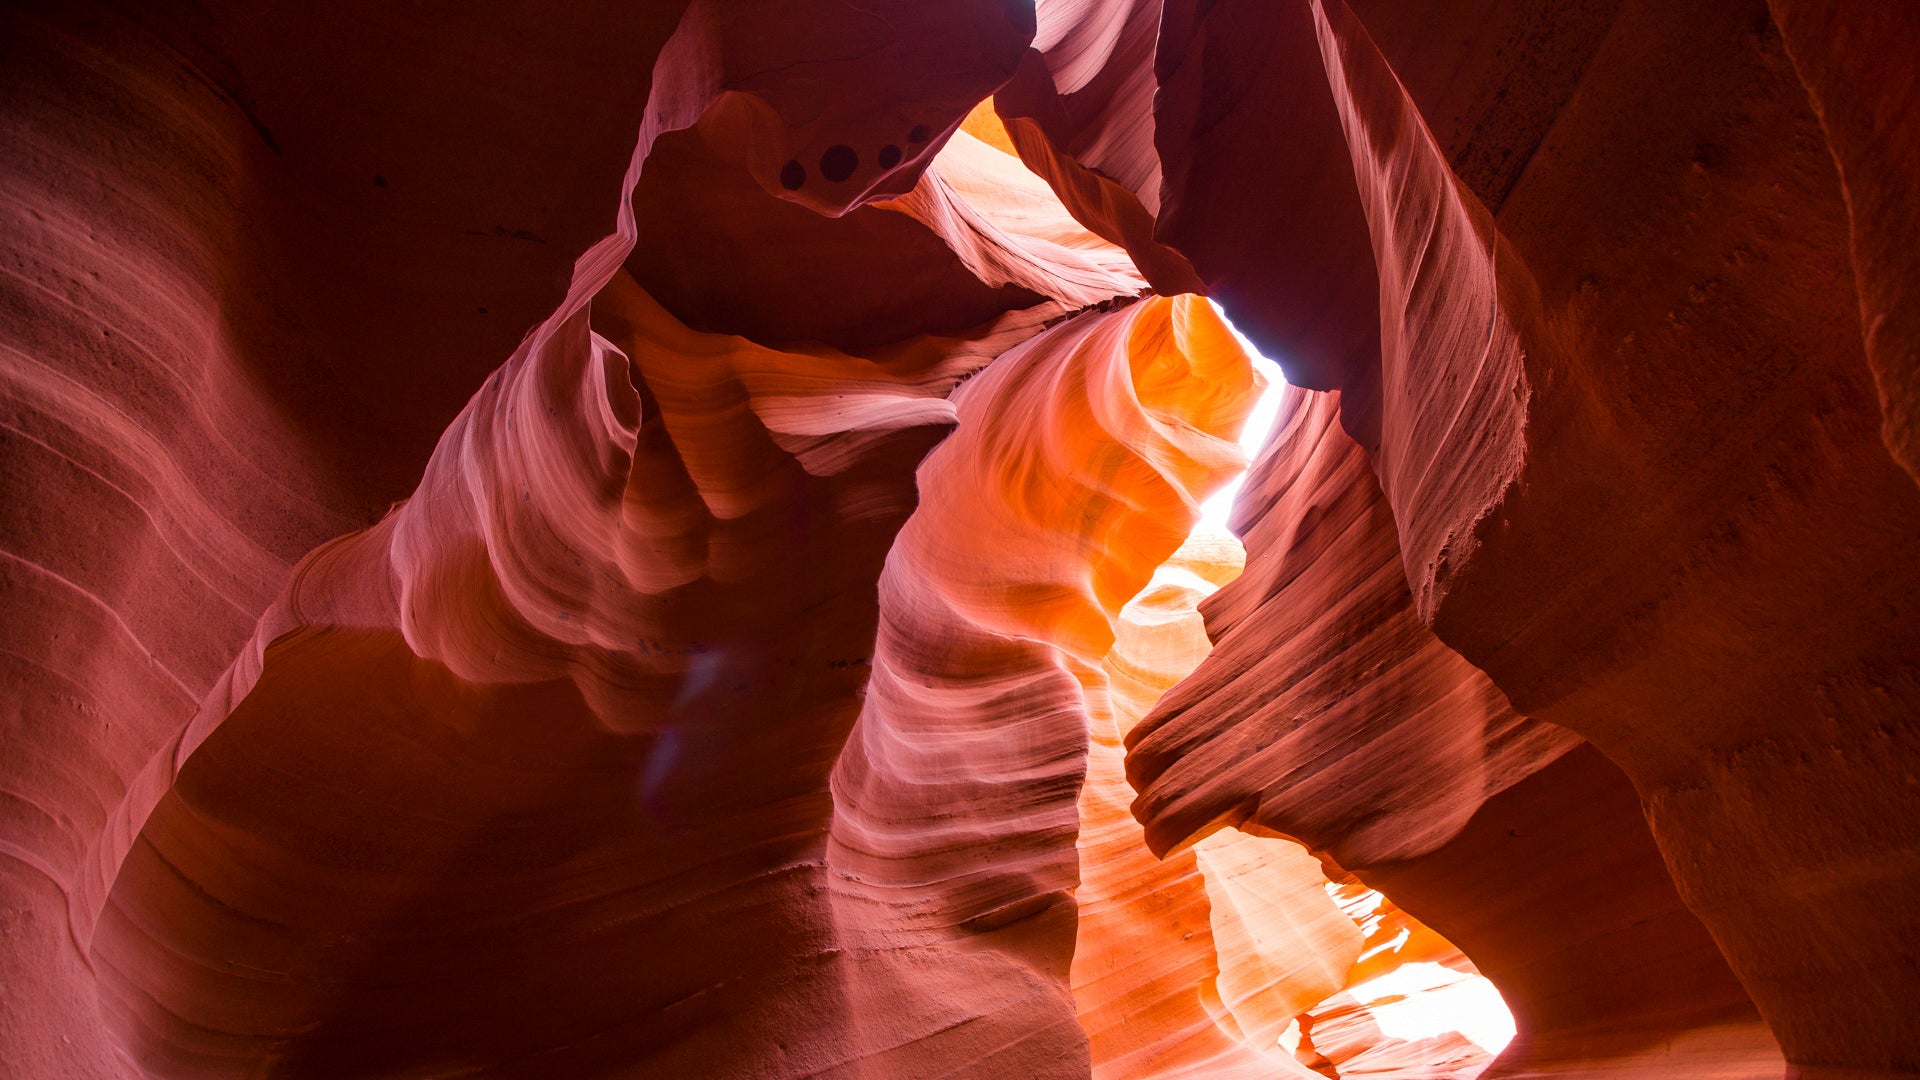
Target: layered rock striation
793,654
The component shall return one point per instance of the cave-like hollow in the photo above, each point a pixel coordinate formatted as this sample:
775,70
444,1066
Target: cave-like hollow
760,539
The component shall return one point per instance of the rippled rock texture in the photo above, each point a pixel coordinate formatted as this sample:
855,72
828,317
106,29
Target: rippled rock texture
660,540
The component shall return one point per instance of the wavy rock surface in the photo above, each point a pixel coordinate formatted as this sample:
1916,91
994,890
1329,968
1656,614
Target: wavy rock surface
505,722
252,272
1079,112
1192,965
697,716
1327,711
1631,445
592,682
1383,748
1658,597
1296,274
1008,228
1236,956
205,346
953,846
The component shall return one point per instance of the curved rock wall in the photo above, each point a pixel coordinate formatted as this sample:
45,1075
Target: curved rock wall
1386,750
1327,711
1614,269
1236,956
1078,456
512,725
1618,589
252,272
659,733
1863,90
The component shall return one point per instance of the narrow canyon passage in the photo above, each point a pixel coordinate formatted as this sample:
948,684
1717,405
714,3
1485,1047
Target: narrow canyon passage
960,538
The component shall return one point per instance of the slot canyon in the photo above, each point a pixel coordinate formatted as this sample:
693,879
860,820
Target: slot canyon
914,539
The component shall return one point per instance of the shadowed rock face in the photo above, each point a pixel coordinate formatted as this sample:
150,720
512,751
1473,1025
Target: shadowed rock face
653,540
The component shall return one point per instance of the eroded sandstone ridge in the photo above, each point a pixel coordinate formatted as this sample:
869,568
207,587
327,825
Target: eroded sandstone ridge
666,540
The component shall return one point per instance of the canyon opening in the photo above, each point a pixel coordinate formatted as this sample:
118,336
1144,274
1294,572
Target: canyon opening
872,539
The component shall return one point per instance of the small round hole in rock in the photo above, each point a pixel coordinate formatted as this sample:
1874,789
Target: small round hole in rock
839,162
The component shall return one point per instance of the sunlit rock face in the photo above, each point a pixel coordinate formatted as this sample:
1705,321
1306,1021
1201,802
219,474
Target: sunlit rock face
667,540
1238,957
1374,742
1372,739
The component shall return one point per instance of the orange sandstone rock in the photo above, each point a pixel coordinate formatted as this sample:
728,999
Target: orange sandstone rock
702,713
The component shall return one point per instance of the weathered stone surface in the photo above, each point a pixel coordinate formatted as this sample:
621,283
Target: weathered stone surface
621,539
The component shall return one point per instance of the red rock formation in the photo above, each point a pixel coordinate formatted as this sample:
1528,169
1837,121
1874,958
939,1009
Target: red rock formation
1630,442
1381,747
1079,112
1078,459
1297,272
243,297
515,725
1369,737
1219,959
254,266
1862,86
695,715
1812,524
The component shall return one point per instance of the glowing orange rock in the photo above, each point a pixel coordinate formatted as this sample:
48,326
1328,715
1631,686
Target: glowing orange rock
1195,963
570,763
1079,112
1008,228
1076,456
1236,956
1367,768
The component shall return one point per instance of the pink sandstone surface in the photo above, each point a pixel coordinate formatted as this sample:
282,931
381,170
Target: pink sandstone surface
667,540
